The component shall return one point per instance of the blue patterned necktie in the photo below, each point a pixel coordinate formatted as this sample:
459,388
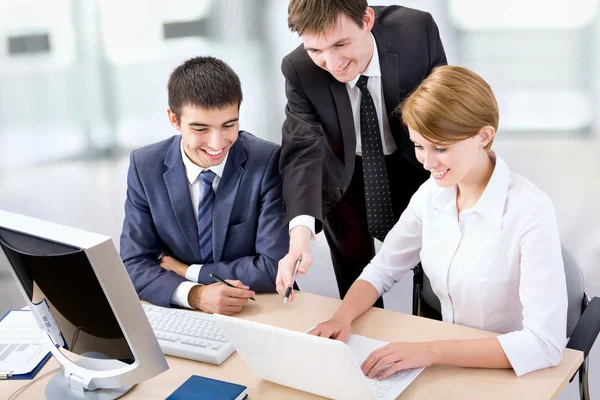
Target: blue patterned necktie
205,216
380,217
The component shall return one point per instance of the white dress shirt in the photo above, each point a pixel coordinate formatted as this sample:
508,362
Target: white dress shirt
192,171
373,71
375,88
498,267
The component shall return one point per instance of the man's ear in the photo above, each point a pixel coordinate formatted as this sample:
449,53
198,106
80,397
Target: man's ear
173,119
369,19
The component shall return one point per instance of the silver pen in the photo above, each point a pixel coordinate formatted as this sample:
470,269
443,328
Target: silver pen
5,374
289,289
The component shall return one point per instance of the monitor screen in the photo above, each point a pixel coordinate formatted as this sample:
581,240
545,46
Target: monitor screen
62,286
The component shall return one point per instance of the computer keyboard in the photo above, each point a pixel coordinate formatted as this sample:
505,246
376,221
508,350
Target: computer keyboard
380,388
188,334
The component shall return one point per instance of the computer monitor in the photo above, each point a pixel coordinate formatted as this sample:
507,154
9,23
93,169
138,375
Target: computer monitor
85,304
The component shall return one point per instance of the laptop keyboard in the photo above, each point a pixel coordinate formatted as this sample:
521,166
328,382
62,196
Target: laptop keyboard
380,388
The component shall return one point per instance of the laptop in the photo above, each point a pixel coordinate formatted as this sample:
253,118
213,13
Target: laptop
325,367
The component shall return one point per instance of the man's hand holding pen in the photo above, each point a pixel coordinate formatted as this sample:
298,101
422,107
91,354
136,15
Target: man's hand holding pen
289,289
223,298
300,238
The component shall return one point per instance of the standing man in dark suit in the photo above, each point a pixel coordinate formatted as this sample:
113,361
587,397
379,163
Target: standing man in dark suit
207,201
347,163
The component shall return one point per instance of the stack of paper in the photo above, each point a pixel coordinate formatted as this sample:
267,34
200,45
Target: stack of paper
23,350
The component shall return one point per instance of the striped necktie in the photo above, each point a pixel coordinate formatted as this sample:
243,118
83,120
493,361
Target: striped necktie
205,216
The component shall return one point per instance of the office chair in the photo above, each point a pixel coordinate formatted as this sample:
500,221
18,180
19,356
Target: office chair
583,315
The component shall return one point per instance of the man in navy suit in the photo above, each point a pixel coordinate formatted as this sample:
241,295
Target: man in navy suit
207,201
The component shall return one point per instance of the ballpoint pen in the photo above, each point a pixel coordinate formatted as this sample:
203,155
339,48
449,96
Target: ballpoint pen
216,278
288,291
5,374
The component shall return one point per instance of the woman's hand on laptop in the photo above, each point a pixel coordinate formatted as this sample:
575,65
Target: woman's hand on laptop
397,356
337,328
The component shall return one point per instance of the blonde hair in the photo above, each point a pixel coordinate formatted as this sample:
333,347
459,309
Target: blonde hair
450,105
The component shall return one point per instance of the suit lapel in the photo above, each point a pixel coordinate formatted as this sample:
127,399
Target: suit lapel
388,63
346,119
179,195
225,196
389,79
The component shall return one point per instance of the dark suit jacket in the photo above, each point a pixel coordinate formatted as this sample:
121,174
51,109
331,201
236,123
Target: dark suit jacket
319,139
248,238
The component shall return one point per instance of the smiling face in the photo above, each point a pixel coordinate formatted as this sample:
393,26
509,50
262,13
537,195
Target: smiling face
345,49
207,134
451,163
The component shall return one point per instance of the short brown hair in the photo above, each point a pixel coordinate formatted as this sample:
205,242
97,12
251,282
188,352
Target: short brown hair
450,105
204,82
316,16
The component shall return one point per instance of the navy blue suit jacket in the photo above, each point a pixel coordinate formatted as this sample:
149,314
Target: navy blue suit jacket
249,237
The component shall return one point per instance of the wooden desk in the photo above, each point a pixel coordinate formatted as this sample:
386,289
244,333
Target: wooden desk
435,382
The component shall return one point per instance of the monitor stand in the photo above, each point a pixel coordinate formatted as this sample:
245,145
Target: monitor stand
59,388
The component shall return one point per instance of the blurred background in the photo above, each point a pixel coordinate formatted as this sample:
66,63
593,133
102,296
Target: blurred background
83,82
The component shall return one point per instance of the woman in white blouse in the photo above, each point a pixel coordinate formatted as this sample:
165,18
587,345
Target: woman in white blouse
487,239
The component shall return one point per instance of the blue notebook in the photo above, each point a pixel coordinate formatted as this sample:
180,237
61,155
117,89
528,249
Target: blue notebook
201,388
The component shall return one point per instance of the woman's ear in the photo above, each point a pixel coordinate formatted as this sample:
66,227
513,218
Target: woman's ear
486,135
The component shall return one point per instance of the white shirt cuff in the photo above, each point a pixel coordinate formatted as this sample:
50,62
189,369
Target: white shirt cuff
527,352
180,295
304,220
370,274
192,272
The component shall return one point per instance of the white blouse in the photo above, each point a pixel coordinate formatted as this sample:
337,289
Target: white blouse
499,267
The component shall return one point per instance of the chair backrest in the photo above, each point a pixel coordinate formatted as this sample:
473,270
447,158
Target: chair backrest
428,296
575,292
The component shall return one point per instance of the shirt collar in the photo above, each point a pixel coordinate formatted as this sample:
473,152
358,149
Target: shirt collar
373,69
493,199
192,170
444,197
